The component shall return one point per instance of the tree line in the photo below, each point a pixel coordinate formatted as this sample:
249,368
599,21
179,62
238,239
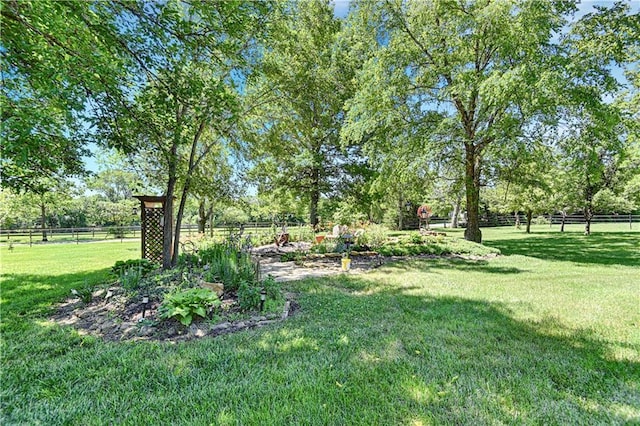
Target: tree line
461,104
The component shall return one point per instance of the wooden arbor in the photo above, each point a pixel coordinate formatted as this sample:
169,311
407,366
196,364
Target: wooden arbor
152,224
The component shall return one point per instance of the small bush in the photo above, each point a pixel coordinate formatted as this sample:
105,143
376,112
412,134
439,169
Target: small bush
115,232
228,266
301,233
272,287
186,305
376,235
541,220
145,266
131,279
295,256
416,238
248,296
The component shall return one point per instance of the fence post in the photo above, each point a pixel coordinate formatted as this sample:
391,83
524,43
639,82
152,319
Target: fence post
629,220
30,237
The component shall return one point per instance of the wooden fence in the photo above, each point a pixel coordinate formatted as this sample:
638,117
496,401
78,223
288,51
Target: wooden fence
122,233
97,233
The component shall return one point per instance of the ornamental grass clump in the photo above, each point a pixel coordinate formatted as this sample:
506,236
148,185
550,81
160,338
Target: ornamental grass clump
225,264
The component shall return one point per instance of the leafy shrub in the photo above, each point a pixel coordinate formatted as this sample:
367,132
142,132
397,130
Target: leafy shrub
228,266
187,304
249,293
416,238
261,238
295,256
145,266
272,287
115,232
435,245
85,294
301,233
248,296
321,248
188,260
131,279
376,235
541,220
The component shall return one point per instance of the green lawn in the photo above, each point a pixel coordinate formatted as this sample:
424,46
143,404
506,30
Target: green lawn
547,334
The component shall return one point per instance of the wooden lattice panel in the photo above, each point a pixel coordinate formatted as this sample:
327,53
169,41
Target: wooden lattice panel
152,221
153,234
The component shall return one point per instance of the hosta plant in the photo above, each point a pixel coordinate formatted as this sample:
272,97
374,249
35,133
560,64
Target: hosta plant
187,304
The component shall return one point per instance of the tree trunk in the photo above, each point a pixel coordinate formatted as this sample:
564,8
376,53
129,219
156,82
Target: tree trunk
43,212
315,197
529,217
564,220
516,215
588,215
179,216
472,184
588,208
203,215
456,212
400,215
167,241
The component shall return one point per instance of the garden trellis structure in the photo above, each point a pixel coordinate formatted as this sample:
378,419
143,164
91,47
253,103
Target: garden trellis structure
152,226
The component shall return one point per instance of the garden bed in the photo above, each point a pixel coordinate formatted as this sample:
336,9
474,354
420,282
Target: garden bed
117,318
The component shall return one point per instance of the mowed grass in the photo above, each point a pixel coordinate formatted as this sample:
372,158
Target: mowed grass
546,334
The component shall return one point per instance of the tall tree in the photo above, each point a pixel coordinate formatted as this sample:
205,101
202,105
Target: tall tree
486,67
189,61
295,142
594,135
55,56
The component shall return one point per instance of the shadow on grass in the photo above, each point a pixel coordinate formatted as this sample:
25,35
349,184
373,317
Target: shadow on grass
604,248
425,265
31,294
348,358
464,361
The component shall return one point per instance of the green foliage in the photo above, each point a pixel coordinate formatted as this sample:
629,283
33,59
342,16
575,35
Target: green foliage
227,265
131,279
131,272
59,56
301,233
296,256
416,238
145,266
300,93
85,294
436,245
187,304
248,296
376,235
272,287
115,232
249,293
541,220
